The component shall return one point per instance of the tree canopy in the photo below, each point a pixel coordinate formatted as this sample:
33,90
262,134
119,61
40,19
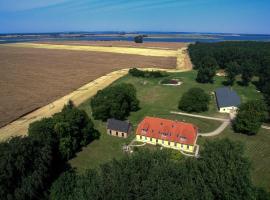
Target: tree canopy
222,172
138,39
250,117
28,165
207,70
194,100
115,102
146,74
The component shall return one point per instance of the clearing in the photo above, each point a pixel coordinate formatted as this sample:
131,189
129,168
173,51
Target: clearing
158,100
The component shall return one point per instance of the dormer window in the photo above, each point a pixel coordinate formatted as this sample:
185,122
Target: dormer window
183,139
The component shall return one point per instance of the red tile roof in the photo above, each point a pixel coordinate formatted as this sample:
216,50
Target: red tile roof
164,129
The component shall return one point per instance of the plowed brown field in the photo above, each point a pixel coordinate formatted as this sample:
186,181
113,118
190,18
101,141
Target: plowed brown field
31,77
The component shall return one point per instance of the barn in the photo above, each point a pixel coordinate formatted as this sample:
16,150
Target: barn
118,128
227,100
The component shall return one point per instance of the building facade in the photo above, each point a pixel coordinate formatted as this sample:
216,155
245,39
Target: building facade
118,128
168,133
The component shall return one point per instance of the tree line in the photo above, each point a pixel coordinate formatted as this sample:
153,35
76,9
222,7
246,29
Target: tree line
222,172
28,165
248,59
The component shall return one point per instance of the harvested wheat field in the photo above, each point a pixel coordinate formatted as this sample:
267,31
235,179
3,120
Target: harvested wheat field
32,77
152,45
107,49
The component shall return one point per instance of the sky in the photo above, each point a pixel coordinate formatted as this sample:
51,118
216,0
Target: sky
216,16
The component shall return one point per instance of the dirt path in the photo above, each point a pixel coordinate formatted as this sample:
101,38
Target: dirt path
183,59
200,116
20,126
219,130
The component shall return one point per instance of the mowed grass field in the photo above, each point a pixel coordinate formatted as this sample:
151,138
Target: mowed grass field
158,100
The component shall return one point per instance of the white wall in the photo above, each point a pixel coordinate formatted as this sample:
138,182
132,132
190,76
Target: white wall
227,109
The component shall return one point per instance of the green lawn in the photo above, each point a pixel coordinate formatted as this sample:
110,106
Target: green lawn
158,100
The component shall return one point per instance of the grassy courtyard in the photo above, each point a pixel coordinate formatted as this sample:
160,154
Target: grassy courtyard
158,100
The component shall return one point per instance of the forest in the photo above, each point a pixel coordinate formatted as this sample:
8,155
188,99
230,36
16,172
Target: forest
246,59
221,172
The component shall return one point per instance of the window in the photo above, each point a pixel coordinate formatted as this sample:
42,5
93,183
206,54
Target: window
123,134
116,133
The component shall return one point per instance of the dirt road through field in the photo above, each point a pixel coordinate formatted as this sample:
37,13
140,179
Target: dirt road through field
20,126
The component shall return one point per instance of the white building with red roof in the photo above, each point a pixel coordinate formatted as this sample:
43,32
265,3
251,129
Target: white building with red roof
168,133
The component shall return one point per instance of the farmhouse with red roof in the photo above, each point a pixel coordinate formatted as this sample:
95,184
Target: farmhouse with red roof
168,133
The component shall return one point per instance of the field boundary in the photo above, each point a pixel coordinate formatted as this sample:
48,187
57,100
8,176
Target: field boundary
19,127
120,50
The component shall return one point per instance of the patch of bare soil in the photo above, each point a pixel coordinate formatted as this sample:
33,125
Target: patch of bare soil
32,78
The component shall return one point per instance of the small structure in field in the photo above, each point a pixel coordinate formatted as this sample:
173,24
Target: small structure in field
118,128
227,100
172,82
168,133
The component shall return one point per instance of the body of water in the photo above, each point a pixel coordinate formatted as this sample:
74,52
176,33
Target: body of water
151,37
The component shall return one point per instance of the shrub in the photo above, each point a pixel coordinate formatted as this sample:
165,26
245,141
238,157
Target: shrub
194,100
115,102
138,39
250,117
146,74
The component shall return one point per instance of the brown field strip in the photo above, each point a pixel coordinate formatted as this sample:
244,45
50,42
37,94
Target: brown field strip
120,50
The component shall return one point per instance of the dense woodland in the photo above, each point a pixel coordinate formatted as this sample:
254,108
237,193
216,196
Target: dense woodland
245,59
28,165
222,172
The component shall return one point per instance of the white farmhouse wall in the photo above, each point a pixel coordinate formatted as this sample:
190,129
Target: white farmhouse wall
228,109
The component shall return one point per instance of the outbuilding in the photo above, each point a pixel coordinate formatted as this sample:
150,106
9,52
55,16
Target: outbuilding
227,99
118,128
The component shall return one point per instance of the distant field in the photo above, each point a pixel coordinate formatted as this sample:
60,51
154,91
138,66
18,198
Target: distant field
153,45
31,77
158,100
107,49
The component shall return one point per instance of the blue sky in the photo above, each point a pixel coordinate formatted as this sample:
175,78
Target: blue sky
228,16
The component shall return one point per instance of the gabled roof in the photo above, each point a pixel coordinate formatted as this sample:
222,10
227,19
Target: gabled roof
227,97
117,125
164,129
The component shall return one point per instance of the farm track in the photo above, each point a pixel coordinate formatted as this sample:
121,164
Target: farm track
147,56
20,126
